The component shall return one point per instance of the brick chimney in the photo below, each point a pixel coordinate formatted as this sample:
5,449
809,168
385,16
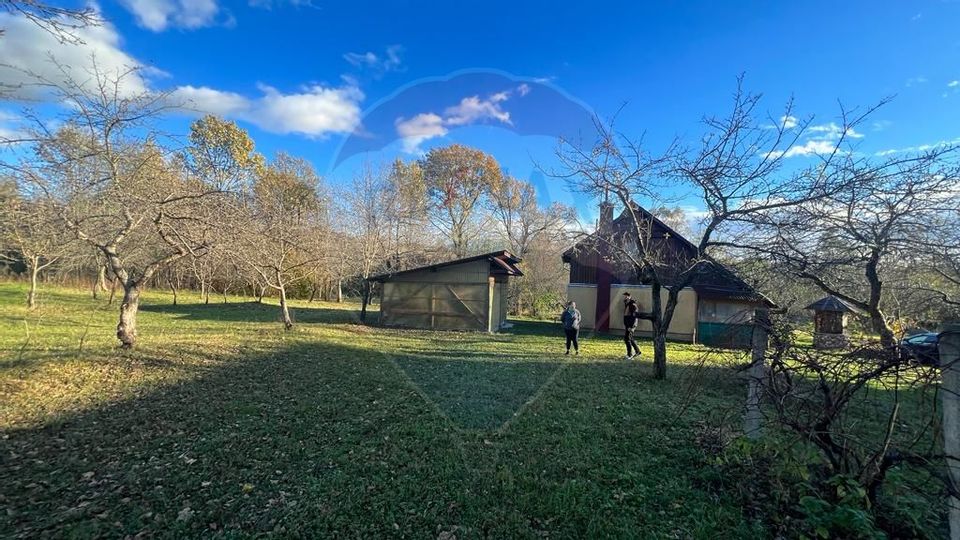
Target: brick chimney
606,217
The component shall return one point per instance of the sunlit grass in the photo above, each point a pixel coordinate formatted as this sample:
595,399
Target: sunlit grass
221,422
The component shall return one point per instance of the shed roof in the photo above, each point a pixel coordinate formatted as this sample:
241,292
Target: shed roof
832,303
501,262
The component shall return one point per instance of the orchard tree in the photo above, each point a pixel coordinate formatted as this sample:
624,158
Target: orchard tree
32,228
457,179
116,187
364,202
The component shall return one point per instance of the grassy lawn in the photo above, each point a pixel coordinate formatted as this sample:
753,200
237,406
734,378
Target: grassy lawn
221,423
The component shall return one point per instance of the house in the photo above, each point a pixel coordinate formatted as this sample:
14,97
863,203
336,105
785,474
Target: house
716,309
462,294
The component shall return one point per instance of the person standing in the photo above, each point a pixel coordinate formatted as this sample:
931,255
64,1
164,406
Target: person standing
631,316
571,326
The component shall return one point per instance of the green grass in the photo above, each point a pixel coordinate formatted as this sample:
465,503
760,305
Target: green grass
221,423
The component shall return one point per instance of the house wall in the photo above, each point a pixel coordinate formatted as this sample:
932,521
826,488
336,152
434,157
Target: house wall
683,326
725,323
586,298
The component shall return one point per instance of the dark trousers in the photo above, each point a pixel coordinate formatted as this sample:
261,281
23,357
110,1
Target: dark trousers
572,334
632,348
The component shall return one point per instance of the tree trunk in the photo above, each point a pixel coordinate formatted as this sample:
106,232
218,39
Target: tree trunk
284,310
32,293
263,291
659,331
313,293
127,328
660,354
173,288
113,290
102,278
364,301
339,291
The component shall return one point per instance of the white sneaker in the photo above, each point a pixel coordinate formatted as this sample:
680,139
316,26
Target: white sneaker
628,357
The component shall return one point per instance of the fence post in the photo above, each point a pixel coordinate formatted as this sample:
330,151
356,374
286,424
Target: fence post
752,416
949,353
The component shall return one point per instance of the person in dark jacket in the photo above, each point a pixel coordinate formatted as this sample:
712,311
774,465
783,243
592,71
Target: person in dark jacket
571,326
631,316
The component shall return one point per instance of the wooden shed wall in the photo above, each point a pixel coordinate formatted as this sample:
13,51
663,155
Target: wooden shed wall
451,298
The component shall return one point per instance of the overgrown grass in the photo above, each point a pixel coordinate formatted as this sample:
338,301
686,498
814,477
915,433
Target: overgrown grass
221,423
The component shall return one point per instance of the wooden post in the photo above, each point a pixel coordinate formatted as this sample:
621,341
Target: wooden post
752,416
491,289
433,306
949,352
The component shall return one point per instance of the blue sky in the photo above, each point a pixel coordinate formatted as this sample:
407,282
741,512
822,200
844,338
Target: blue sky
390,79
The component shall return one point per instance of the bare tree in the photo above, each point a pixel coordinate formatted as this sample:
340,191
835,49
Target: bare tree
33,229
737,171
63,23
364,200
285,227
116,187
852,242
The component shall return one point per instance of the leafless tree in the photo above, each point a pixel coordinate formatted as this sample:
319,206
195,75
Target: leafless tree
738,172
59,21
33,228
853,242
284,227
364,202
115,185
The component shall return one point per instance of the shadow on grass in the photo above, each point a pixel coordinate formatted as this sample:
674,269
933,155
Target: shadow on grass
253,312
334,441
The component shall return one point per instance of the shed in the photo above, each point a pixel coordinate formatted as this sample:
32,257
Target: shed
462,294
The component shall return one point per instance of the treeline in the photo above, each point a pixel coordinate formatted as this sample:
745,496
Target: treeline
108,197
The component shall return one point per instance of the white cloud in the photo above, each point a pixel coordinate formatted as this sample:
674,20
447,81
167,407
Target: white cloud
9,130
418,129
158,15
913,81
809,148
390,61
953,84
29,50
788,122
920,148
523,89
470,110
207,100
832,131
314,111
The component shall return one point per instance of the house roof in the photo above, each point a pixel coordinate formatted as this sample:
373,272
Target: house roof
501,262
715,280
832,303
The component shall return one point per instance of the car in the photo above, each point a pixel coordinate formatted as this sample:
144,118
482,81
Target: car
921,348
